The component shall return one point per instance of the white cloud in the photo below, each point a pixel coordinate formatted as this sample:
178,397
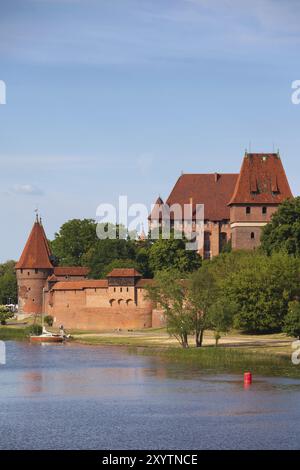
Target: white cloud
27,190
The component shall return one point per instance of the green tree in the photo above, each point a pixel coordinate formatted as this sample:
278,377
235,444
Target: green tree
202,292
221,316
262,289
168,292
8,283
73,241
283,232
172,254
142,259
104,252
292,320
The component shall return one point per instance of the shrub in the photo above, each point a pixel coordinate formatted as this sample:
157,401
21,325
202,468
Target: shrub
292,320
35,330
48,319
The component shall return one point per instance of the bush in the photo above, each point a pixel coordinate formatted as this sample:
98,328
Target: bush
35,330
49,320
5,314
292,320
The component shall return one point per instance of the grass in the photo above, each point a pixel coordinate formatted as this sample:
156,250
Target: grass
223,359
8,333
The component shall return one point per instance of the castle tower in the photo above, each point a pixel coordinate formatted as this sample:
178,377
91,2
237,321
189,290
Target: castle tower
261,186
32,270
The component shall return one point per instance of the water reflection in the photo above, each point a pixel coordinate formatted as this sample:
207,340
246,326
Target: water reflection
74,396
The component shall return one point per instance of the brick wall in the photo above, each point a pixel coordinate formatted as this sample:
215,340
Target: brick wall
30,290
100,308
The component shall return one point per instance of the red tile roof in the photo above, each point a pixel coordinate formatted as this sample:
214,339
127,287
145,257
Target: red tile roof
80,285
213,190
71,271
262,180
36,254
124,272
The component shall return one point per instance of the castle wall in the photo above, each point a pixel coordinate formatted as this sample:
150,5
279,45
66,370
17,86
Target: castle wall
100,308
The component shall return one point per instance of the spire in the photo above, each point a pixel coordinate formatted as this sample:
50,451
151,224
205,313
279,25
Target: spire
142,236
36,254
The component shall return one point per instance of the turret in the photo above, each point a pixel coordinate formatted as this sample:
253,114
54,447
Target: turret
261,186
33,269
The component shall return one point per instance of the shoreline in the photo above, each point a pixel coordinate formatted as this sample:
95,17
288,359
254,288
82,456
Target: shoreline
268,355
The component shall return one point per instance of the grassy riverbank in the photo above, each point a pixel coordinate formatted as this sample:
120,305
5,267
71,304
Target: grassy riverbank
262,354
9,333
227,360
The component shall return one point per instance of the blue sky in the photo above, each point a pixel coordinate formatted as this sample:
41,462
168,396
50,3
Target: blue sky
109,97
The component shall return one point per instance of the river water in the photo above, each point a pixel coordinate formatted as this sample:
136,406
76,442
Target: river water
84,397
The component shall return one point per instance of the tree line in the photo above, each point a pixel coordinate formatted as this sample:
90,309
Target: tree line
252,291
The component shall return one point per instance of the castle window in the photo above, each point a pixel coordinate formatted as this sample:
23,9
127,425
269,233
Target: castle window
36,271
127,289
121,289
252,235
114,289
21,271
248,210
28,274
264,210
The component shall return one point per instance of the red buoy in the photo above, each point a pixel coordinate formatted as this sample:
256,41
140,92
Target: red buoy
247,378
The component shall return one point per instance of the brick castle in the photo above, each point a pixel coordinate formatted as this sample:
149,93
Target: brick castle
236,207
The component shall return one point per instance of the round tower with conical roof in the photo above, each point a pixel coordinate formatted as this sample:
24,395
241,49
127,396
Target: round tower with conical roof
33,269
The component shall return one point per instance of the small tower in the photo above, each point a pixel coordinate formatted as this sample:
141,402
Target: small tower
32,270
261,186
142,236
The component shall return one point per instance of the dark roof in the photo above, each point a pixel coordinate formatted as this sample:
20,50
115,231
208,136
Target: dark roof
124,272
71,271
213,190
262,180
36,254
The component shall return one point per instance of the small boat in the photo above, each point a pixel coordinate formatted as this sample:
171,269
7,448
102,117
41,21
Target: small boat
48,337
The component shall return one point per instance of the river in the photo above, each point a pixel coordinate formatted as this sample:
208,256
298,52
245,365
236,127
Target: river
84,397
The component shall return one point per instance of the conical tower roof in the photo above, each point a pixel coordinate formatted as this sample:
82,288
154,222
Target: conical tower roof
36,254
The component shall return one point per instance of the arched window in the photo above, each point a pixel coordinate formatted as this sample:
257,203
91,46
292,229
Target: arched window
252,235
112,301
248,210
129,302
264,210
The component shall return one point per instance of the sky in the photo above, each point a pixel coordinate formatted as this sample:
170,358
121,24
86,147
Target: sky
118,97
